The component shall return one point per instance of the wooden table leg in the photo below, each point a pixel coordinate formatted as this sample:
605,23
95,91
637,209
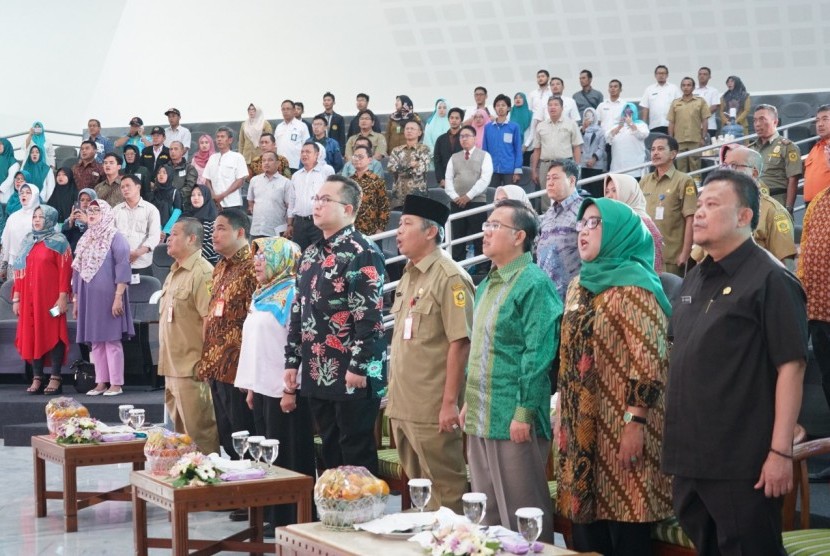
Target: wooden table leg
180,533
304,508
139,524
70,498
40,485
257,516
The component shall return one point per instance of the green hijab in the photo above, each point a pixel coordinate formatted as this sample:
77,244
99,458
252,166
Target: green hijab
626,253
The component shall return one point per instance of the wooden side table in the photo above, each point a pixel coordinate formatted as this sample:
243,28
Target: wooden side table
72,456
280,486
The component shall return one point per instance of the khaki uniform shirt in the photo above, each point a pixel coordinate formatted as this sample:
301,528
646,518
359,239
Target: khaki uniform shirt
782,160
438,294
185,298
557,139
775,229
669,200
688,117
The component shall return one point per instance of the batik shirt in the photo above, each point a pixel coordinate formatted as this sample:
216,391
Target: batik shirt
556,249
336,320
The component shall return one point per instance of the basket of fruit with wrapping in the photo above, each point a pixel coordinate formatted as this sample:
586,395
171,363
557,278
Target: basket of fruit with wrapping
347,495
60,410
164,448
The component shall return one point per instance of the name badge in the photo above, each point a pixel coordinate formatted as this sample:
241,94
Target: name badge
407,328
686,299
658,213
219,310
182,173
135,279
293,136
508,137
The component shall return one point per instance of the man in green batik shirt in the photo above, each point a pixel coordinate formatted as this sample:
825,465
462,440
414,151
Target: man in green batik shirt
514,338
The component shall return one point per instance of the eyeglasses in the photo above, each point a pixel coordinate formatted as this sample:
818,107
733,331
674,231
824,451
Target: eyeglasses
467,136
359,156
93,211
733,166
325,200
494,226
589,223
259,256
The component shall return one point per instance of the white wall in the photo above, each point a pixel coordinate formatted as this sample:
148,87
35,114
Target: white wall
64,62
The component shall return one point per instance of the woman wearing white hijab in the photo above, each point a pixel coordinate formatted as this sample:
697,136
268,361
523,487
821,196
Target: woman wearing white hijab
251,131
19,224
513,192
624,188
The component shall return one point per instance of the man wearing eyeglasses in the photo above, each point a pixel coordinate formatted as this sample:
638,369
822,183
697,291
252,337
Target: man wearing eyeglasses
336,329
304,184
469,172
514,338
782,157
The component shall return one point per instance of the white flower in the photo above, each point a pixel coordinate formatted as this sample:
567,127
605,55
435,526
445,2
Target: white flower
86,434
69,430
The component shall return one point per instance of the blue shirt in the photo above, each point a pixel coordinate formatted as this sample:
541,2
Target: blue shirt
556,249
504,143
104,146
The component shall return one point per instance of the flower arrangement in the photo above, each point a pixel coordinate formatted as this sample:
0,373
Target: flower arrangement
194,469
78,430
462,540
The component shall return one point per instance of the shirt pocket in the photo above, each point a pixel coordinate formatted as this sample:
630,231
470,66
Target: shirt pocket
397,304
420,314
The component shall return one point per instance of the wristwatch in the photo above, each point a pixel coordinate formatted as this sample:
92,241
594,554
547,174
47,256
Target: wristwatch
629,417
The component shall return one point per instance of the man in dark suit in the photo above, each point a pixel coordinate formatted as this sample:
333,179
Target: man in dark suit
156,155
335,122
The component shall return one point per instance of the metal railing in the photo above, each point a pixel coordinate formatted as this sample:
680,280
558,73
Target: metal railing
449,242
21,147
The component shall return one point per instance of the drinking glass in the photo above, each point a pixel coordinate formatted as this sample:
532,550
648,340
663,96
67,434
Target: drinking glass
474,504
270,449
255,448
240,442
137,418
124,413
529,521
420,490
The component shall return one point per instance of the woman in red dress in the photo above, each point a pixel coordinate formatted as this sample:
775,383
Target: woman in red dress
42,274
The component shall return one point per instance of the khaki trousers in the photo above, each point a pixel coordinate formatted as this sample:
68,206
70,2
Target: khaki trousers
426,453
688,163
190,407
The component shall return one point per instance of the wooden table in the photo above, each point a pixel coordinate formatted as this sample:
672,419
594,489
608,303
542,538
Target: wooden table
313,538
72,456
280,486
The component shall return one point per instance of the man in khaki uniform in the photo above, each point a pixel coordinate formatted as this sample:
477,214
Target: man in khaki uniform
433,312
782,158
775,228
671,199
557,139
184,303
688,123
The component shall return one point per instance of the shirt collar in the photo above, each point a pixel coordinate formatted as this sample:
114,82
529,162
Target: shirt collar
343,232
188,263
424,264
569,200
731,263
240,256
511,269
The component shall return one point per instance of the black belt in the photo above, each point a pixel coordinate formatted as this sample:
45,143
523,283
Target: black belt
303,217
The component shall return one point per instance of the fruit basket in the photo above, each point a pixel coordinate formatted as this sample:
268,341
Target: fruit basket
348,495
164,448
60,410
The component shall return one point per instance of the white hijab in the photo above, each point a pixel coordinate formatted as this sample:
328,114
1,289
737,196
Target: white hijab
19,225
253,126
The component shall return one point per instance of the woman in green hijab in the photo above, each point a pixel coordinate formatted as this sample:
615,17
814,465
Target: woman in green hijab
614,364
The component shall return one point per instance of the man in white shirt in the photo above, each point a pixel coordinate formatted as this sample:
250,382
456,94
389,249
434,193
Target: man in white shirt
291,133
537,99
657,98
304,185
710,95
609,111
569,109
267,201
469,172
140,223
225,171
176,132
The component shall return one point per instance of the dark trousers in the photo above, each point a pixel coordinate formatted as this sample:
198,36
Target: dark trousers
501,179
465,227
595,188
820,336
296,453
55,355
146,271
612,538
347,429
232,413
305,232
728,518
